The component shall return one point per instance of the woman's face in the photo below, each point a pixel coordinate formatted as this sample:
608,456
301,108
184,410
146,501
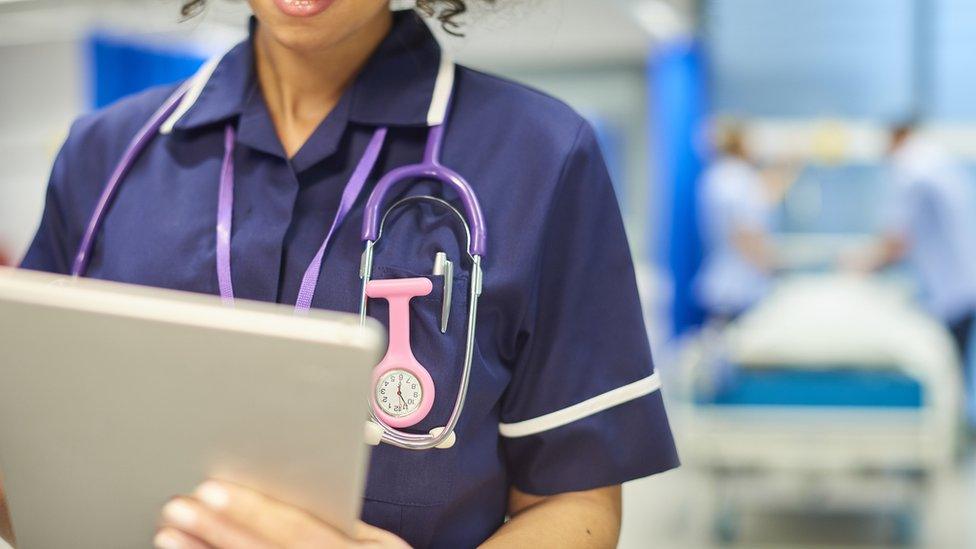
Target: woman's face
316,24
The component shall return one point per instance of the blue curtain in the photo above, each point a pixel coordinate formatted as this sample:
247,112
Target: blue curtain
677,113
120,66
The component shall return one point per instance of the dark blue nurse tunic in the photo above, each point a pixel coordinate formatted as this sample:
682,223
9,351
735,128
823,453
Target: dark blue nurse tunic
563,396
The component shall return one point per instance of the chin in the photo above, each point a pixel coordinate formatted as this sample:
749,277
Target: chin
298,38
323,24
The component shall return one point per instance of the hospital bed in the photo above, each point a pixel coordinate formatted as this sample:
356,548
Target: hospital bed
833,395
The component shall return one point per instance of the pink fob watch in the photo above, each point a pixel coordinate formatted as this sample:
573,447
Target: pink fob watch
403,391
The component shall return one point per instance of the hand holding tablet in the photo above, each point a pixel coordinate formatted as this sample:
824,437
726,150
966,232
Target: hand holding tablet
114,398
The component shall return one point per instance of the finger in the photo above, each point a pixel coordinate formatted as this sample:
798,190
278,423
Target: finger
271,520
194,519
171,538
369,535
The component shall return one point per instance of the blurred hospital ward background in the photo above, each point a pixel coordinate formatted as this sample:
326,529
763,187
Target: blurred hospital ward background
798,181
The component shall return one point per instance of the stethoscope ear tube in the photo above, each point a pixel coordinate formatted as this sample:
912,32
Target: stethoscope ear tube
441,437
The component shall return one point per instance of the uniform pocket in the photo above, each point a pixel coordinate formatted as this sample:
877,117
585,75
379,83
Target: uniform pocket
424,477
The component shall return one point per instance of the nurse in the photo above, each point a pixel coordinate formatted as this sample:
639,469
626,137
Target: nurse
930,222
736,204
564,404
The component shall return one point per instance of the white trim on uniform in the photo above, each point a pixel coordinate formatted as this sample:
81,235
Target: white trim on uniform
583,409
197,82
436,113
443,86
402,5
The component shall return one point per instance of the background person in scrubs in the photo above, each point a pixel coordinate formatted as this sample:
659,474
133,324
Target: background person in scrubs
735,212
930,222
564,404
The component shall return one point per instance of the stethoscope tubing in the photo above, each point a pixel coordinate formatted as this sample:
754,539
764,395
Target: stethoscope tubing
135,147
440,436
429,169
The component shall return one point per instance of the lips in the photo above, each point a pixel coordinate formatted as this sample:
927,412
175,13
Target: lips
303,8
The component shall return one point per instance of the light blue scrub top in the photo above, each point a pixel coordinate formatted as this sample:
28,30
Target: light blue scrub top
932,205
731,199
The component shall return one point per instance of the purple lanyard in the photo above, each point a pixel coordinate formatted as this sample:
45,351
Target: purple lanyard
225,208
225,202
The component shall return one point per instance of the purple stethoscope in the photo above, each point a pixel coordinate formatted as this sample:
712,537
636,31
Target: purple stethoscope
403,390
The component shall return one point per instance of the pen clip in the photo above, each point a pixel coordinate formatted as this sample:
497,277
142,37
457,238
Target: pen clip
444,267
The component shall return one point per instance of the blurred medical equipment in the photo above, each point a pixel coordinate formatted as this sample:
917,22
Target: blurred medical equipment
834,394
385,422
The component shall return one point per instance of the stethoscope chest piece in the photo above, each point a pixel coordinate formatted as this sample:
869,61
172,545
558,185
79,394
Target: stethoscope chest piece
403,391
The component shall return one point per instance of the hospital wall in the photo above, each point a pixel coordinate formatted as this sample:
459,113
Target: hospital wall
50,78
34,110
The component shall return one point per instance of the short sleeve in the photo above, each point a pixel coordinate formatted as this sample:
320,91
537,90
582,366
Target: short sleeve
50,249
741,200
750,210
897,204
584,408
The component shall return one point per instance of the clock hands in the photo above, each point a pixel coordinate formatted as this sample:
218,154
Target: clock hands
400,394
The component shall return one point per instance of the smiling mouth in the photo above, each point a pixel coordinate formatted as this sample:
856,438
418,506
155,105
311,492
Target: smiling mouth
303,8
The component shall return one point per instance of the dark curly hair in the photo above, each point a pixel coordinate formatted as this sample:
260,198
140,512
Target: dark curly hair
446,11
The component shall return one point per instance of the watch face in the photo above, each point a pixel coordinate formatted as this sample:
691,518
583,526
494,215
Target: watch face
398,393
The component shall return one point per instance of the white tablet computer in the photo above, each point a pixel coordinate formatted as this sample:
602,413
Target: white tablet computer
114,398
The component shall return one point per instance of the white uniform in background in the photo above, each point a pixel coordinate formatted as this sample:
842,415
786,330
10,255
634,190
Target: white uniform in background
933,206
731,198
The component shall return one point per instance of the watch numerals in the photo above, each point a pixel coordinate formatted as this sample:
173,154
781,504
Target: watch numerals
405,395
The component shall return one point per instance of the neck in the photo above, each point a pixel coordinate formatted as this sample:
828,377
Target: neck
302,87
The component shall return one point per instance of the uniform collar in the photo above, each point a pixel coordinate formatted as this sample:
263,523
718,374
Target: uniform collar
395,87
